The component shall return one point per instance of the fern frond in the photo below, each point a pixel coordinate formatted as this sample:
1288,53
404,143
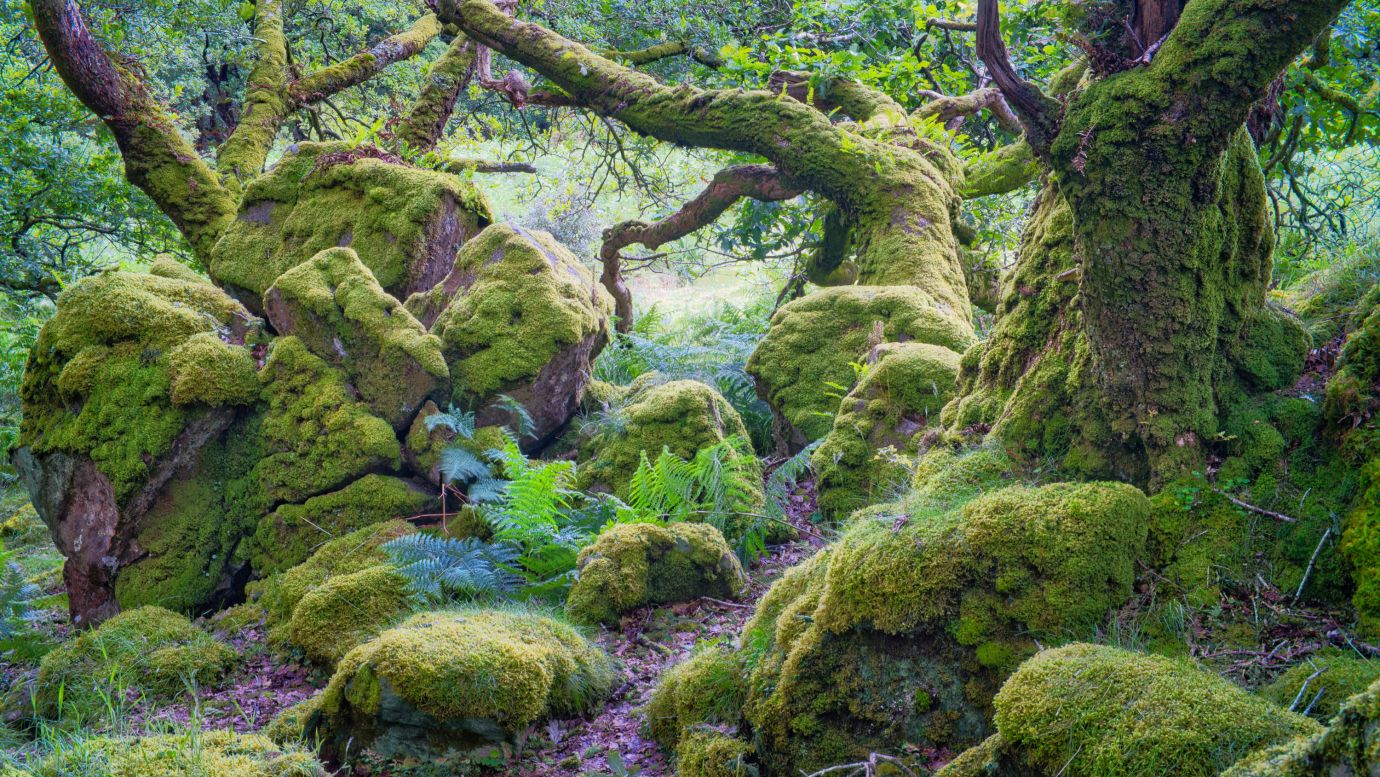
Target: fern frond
460,465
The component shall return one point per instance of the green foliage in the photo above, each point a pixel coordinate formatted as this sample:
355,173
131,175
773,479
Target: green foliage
442,569
192,752
1318,685
19,599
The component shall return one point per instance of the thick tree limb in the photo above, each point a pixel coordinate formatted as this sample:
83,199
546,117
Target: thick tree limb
1000,171
759,182
1038,112
272,97
951,111
461,166
851,98
157,159
425,122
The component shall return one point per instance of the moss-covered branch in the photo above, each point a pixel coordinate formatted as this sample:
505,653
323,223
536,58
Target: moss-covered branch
661,51
157,159
367,64
424,123
951,111
760,182
999,171
899,198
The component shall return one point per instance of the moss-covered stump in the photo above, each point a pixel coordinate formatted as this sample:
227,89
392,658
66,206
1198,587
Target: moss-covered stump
291,533
347,611
127,382
805,364
904,629
220,753
861,461
333,304
521,317
705,689
452,682
632,564
1349,746
147,651
405,223
1090,710
1319,685
651,415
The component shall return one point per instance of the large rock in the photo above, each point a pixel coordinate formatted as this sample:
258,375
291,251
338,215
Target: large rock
805,364
333,304
445,682
405,223
519,317
863,459
125,385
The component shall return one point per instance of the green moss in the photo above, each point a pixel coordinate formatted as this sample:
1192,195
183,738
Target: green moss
290,534
220,753
680,416
863,459
706,688
1087,710
632,564
166,266
709,753
353,552
434,676
208,370
348,610
327,195
99,383
805,363
1323,682
1348,745
238,619
985,760
526,301
293,725
333,304
316,436
1324,299
149,649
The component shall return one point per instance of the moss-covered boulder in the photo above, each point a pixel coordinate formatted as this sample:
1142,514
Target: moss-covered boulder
292,532
333,304
220,753
148,651
1350,745
520,317
863,459
347,611
805,364
456,681
632,564
651,415
405,223
904,629
126,383
710,753
705,689
1320,684
1090,710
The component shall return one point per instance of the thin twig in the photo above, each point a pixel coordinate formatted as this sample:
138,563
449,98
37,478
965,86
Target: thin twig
1312,559
1259,510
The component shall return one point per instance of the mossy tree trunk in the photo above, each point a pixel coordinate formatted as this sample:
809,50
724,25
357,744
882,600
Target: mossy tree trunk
1157,320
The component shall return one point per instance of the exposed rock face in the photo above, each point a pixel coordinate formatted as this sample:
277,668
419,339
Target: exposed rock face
405,223
519,317
177,446
804,365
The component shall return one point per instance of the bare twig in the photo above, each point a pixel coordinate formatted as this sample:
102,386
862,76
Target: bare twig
1258,510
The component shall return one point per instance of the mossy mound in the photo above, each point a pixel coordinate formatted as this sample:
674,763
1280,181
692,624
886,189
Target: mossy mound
290,534
359,550
861,461
519,315
1350,745
404,222
219,753
706,688
290,725
149,650
632,564
347,611
209,371
1090,710
710,753
904,628
1320,684
804,365
651,415
333,304
453,681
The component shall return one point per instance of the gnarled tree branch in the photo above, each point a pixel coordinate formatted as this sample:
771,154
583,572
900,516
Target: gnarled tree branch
760,182
425,121
662,51
157,159
1038,112
952,111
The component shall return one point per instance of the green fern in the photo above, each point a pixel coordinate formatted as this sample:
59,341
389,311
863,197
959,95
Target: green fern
19,603
444,569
